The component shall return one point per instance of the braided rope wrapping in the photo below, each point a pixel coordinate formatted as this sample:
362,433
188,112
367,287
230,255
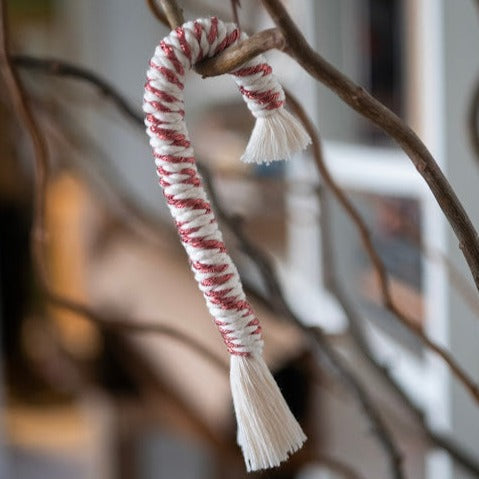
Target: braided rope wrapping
267,431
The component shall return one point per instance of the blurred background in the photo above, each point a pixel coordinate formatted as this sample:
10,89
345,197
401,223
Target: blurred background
89,398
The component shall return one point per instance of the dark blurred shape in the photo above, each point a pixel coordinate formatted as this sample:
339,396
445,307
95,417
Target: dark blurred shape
385,45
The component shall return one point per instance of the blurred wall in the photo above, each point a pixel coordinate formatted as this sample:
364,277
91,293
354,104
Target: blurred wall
461,40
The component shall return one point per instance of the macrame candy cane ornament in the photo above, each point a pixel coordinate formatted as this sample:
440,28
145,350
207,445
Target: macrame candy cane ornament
267,431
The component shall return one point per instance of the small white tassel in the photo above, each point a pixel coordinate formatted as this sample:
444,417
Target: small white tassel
268,433
275,137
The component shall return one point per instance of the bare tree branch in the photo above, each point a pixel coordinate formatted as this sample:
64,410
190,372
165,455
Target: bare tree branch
152,385
173,12
157,12
21,106
234,57
61,68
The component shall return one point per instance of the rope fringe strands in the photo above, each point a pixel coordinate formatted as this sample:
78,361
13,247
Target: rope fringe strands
267,431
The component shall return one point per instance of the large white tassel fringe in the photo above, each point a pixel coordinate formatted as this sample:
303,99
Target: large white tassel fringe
275,137
268,433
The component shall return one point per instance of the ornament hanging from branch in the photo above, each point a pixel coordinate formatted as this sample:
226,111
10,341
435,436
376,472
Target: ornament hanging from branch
267,430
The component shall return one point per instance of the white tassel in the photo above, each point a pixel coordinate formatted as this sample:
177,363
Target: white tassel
268,433
275,137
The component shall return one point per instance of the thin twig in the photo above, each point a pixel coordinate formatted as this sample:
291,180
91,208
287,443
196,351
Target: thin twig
21,106
234,57
235,6
152,385
133,325
157,12
361,340
41,169
378,264
458,280
62,68
173,13
274,285
355,321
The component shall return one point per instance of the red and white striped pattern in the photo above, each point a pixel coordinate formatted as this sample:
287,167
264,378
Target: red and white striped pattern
214,270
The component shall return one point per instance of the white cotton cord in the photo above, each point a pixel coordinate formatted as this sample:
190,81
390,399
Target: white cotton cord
267,431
